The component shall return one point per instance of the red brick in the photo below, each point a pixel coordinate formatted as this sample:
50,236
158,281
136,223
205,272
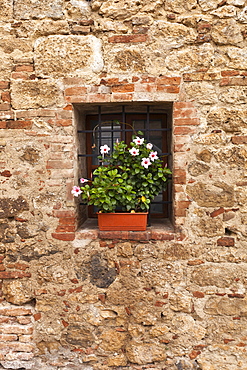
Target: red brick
60,122
180,212
159,303
81,90
166,80
77,99
179,176
184,130
148,79
127,38
217,212
66,221
160,235
64,213
195,262
98,98
239,139
24,68
236,295
4,106
4,85
121,97
65,229
198,294
18,266
168,89
183,204
193,354
64,236
13,274
229,73
14,329
186,121
5,96
57,164
19,124
3,124
19,75
123,88
110,81
16,346
184,113
226,242
181,105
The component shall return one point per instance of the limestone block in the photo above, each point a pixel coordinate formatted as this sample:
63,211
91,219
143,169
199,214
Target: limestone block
79,335
227,11
227,119
17,292
227,31
190,58
226,306
237,56
212,195
205,156
234,95
35,94
76,9
116,360
6,7
209,4
180,6
112,340
29,9
221,276
234,157
173,35
205,225
203,92
242,16
215,138
144,353
60,56
180,302
236,2
129,60
196,168
186,325
119,9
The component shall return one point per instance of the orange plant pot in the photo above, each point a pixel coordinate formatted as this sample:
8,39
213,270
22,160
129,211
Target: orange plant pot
123,221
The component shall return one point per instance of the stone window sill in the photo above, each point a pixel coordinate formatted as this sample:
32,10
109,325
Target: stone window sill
159,230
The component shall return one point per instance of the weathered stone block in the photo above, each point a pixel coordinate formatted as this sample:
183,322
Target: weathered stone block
144,353
61,56
174,35
17,292
11,207
38,9
180,5
196,168
212,197
35,94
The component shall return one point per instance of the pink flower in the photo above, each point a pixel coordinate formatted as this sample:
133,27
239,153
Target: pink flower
104,149
149,146
76,191
138,141
146,162
134,151
153,156
82,180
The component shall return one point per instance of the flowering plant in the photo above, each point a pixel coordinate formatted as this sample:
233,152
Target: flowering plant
129,178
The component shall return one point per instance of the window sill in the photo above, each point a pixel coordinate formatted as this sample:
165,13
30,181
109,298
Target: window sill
159,230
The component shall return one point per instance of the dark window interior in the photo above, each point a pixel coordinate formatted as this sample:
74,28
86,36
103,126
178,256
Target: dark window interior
99,126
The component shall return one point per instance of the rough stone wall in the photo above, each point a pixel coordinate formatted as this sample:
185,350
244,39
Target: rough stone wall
166,299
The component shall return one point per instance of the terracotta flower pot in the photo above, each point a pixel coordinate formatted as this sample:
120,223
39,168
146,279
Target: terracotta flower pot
123,221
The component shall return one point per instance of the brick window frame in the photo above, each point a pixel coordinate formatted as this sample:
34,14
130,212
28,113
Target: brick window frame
184,124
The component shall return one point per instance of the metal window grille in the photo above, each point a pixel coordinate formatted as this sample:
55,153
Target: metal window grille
100,130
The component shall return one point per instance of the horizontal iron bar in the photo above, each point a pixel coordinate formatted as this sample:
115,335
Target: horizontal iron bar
123,130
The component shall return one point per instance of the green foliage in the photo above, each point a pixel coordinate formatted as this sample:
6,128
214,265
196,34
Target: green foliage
124,183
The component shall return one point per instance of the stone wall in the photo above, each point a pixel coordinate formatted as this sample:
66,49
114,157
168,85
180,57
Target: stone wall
171,298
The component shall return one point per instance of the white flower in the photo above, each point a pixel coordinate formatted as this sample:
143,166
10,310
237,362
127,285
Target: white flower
146,162
82,180
104,149
76,191
153,156
149,146
138,141
134,151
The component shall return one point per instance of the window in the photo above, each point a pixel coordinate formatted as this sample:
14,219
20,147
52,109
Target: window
99,125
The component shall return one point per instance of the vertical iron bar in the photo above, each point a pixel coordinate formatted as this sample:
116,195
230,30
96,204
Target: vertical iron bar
112,135
123,126
147,124
99,126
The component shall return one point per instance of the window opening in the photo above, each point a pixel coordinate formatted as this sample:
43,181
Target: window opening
108,127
